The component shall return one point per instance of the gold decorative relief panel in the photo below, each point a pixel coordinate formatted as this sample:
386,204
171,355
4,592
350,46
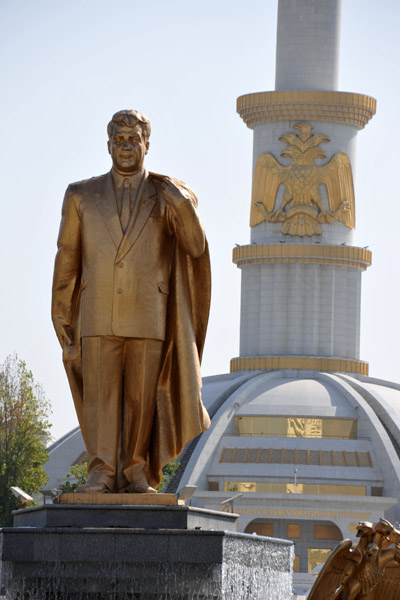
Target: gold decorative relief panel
301,210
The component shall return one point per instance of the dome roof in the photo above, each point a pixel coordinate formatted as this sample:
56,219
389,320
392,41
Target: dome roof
300,395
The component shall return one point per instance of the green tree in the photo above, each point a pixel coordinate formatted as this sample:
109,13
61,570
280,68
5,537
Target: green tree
24,433
168,472
79,473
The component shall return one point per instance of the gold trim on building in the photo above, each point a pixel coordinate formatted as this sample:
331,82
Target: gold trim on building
349,256
282,487
295,426
297,456
313,363
339,107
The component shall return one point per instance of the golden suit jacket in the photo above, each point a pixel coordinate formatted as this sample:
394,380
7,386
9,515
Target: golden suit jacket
152,282
122,279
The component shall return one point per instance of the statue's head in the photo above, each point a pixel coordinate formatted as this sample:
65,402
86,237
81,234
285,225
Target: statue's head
364,528
384,527
128,140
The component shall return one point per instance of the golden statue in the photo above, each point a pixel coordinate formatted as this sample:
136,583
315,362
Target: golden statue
302,210
131,294
368,571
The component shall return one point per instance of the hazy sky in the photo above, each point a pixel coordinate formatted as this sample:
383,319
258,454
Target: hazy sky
68,65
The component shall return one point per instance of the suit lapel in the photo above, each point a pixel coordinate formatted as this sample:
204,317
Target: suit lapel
145,201
107,205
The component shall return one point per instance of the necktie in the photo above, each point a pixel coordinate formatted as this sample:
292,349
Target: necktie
126,204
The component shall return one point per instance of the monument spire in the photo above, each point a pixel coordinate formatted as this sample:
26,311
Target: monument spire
301,274
307,46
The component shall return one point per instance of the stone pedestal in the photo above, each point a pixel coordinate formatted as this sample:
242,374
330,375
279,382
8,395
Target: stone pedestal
133,517
99,552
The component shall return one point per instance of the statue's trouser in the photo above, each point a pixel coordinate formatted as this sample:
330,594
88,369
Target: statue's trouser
119,390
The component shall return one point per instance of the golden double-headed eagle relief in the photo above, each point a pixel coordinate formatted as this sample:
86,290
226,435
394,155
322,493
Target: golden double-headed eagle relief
368,571
302,210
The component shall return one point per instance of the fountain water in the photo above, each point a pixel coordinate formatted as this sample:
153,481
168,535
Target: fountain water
40,563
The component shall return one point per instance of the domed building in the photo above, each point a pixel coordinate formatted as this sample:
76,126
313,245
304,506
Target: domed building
302,444
307,454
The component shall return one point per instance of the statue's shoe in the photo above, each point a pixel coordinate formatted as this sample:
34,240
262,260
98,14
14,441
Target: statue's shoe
139,488
93,488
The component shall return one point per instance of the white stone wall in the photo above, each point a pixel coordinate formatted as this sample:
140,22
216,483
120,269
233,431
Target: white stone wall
307,49
300,309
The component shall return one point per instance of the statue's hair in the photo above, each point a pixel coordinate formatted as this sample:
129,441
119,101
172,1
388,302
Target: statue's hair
130,118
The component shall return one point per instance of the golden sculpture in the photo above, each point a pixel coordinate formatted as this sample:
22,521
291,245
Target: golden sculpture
131,294
368,571
302,210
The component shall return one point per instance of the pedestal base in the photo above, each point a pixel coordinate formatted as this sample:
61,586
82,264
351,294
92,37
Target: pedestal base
127,552
136,517
127,564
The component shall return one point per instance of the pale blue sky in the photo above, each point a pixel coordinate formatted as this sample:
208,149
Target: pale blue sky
68,65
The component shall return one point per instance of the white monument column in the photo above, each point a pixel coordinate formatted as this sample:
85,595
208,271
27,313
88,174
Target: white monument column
307,46
301,275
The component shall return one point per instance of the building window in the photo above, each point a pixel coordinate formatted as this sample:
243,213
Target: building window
327,532
278,487
213,486
260,529
363,459
323,458
297,427
376,490
293,531
316,557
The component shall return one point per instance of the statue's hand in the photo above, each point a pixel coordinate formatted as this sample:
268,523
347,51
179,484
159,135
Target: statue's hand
64,334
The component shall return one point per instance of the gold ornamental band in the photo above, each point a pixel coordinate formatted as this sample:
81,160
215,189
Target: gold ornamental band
350,256
341,107
300,363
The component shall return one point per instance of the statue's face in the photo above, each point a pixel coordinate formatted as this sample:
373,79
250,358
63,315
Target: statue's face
127,147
